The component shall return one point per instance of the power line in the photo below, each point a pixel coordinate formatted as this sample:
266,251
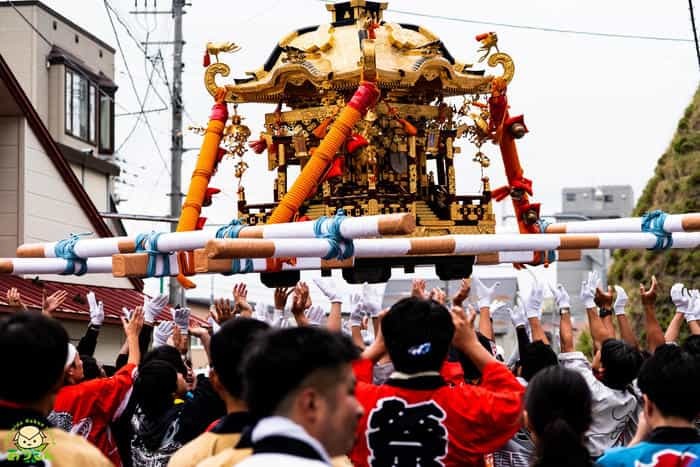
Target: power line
133,86
542,28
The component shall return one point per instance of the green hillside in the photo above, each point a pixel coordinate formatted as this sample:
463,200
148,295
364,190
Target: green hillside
674,188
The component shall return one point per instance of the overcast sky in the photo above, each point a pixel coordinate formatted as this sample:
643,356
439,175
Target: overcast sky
600,110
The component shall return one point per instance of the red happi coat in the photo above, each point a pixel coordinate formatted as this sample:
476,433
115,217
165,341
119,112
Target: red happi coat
87,409
424,418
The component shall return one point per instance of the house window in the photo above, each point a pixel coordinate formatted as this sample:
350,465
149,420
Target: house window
608,198
80,107
106,124
571,197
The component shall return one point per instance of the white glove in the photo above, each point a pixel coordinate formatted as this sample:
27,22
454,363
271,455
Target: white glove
588,289
561,298
97,311
693,313
533,304
517,316
329,289
316,315
277,319
214,325
620,300
260,312
151,308
162,333
484,293
680,299
371,300
181,316
357,309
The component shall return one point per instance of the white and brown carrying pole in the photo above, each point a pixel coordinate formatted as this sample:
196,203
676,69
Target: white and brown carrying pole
343,226
441,245
670,223
61,266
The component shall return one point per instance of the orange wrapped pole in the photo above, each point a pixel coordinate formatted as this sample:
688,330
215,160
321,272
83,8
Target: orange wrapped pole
206,163
309,178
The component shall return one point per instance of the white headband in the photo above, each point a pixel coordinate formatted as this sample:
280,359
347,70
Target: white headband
72,352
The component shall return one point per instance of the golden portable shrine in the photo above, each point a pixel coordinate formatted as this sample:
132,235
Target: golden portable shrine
382,165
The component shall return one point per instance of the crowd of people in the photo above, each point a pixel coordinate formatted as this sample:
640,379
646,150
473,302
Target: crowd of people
421,383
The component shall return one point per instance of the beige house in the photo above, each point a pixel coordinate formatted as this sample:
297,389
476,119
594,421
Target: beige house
56,141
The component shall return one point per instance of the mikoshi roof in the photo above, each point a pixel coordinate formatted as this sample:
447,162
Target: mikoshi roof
332,56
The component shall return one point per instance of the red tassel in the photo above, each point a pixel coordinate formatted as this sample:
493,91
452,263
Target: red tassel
200,223
211,191
336,169
321,130
259,145
355,142
207,60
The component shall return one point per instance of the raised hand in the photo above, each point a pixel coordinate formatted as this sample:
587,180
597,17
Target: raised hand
418,289
462,294
281,295
357,309
438,295
371,300
330,289
603,299
240,299
485,294
648,295
14,298
300,298
561,297
162,333
53,301
181,316
97,312
680,297
223,311
533,304
588,287
517,316
153,307
133,325
621,300
316,315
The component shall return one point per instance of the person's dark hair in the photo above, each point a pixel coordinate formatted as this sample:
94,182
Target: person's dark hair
692,345
228,347
109,370
91,369
278,363
670,379
33,353
471,372
621,362
536,356
558,404
418,334
154,386
167,353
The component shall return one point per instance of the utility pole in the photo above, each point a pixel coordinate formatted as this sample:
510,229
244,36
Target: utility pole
177,294
695,33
